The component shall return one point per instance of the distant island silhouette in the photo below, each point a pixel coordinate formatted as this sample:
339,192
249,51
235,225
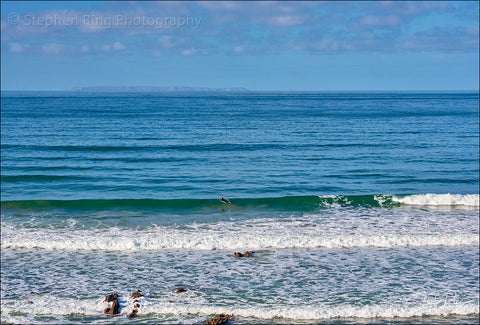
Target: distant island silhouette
153,89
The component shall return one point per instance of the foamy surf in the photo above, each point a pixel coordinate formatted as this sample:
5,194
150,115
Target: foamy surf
162,238
60,308
468,200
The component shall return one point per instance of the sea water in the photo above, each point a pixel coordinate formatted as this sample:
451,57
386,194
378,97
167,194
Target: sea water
360,207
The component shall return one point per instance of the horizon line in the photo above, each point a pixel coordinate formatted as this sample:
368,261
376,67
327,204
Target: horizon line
243,90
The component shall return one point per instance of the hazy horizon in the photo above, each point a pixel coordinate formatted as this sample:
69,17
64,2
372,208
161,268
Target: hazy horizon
257,91
251,90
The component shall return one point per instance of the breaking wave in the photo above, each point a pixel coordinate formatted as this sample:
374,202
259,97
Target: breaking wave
302,203
58,307
167,238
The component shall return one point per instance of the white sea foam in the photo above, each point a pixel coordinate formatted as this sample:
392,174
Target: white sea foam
319,312
471,200
58,307
272,236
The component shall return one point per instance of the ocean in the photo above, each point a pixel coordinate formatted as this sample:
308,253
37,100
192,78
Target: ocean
360,207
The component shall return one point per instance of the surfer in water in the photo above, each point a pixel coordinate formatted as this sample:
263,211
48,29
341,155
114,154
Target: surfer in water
225,201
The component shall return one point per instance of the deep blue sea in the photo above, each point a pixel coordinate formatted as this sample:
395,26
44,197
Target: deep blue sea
360,207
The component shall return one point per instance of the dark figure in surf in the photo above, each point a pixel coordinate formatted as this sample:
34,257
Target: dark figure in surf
225,201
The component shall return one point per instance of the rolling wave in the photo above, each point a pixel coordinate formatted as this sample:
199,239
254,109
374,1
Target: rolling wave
301,203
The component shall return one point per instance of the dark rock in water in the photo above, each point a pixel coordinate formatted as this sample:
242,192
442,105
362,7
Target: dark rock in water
137,294
219,319
133,313
136,305
246,254
180,290
111,297
115,308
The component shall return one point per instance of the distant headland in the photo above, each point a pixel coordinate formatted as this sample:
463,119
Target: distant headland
154,89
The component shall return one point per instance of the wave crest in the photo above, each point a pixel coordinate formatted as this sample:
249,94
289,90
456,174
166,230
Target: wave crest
294,203
471,200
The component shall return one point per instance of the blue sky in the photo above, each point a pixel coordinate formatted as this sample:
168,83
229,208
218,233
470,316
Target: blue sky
339,45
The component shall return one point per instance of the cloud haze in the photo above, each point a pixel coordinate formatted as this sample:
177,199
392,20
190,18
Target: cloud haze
239,29
299,26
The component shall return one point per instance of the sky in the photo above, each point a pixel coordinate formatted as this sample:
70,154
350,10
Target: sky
261,46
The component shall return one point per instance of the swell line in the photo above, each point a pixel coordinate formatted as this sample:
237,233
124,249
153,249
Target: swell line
288,202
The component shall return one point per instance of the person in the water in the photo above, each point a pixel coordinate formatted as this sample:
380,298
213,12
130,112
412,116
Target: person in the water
225,201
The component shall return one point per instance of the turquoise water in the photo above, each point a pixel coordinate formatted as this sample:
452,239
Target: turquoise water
361,207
